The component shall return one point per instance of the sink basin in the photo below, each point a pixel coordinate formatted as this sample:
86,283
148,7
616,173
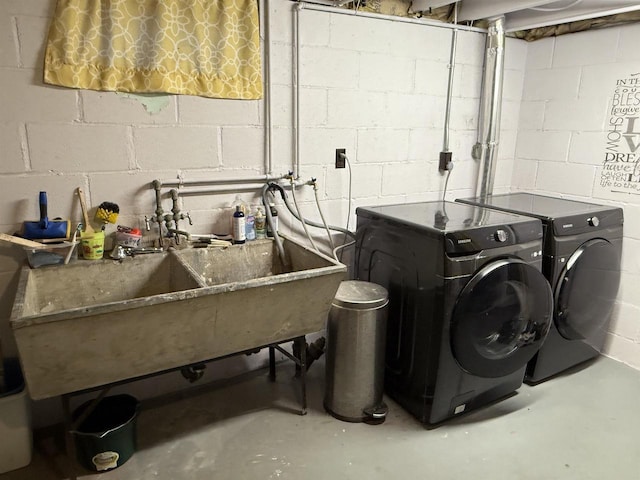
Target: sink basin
93,323
258,260
86,284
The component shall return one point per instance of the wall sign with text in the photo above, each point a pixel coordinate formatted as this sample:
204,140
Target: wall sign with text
621,167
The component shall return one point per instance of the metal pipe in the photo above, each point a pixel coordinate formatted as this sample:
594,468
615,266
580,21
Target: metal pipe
223,186
175,209
452,64
221,181
245,187
486,149
268,162
296,88
378,16
157,186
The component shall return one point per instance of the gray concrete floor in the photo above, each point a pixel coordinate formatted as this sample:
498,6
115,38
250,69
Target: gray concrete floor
584,425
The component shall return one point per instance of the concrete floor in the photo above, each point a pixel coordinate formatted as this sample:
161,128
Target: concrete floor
581,426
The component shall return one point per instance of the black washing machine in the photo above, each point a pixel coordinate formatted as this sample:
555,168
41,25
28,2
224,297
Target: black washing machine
582,246
468,306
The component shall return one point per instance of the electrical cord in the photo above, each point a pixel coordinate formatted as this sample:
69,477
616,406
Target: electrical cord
441,217
349,191
446,182
344,242
340,248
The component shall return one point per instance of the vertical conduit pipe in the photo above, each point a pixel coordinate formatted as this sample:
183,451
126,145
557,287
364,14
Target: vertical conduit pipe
451,66
268,104
296,88
486,149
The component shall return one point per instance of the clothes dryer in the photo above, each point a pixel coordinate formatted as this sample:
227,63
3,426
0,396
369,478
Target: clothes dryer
468,305
582,247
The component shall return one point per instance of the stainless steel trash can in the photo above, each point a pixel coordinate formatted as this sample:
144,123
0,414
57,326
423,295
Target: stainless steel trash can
356,333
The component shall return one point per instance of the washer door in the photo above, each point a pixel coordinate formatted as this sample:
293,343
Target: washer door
587,289
501,318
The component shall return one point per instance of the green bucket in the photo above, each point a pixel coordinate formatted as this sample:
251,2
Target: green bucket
106,439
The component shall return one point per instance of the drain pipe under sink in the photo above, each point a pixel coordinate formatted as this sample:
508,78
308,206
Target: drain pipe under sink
486,148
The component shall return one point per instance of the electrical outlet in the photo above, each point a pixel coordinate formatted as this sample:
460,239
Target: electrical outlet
340,161
445,161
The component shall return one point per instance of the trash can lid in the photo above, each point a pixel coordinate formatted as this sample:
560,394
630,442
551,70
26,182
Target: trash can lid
357,294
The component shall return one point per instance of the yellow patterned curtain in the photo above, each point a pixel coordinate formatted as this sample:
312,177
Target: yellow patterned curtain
193,47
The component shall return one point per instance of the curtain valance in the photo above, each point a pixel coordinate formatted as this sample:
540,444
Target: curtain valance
194,47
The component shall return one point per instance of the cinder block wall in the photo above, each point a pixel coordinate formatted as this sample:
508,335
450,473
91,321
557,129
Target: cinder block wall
374,87
565,123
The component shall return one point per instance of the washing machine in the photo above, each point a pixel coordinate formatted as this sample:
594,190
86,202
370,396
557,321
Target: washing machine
468,305
582,246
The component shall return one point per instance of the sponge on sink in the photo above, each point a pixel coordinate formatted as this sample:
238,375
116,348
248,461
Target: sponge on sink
108,212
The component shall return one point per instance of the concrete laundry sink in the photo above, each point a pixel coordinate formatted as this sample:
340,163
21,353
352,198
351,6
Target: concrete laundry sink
92,323
89,283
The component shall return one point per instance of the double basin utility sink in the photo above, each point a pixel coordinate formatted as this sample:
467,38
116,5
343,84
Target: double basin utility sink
92,323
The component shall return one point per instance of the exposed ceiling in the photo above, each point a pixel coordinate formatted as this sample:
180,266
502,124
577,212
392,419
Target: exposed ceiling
527,14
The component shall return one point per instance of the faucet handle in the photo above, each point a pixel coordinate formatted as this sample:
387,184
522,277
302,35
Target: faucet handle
147,224
118,253
188,217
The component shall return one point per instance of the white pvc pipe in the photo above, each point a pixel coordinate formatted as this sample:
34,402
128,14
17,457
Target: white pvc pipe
452,65
221,181
296,88
268,104
243,187
392,18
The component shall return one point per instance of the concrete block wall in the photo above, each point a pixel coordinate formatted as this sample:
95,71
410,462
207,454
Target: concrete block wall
565,120
374,87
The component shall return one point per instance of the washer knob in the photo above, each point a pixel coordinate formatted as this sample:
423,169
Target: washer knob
500,236
593,221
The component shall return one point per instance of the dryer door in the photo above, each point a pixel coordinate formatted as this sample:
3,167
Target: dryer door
587,289
501,318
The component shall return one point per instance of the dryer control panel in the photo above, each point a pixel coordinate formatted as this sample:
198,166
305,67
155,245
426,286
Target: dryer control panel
588,222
